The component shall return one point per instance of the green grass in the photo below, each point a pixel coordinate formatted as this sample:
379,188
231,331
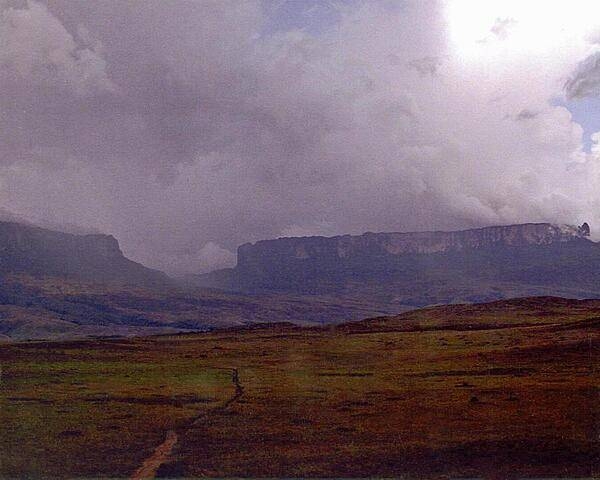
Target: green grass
98,414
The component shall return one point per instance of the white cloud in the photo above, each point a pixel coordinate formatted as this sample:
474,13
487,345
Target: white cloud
210,257
38,50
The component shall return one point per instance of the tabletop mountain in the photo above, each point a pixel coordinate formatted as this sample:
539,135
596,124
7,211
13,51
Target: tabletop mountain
423,268
28,249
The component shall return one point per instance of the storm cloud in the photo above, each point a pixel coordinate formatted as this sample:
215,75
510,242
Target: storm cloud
186,128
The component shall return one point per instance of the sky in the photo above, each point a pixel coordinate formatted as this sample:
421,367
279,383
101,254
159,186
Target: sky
188,127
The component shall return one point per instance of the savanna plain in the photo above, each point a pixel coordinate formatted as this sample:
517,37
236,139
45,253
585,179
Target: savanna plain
500,390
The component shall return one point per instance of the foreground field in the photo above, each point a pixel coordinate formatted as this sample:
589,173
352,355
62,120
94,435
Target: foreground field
499,390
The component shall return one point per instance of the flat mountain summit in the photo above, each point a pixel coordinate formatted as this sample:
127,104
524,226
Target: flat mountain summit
376,244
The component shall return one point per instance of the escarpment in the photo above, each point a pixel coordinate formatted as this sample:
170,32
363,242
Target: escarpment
423,268
38,251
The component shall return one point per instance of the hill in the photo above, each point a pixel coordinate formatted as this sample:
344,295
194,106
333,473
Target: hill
59,285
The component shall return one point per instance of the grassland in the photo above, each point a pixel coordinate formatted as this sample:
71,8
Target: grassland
504,390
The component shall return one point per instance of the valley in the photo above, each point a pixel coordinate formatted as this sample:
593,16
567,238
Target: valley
60,308
55,285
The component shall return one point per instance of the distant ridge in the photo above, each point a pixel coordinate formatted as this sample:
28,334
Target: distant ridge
32,250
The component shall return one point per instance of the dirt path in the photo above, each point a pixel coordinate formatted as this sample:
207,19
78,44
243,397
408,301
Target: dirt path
239,391
160,456
162,453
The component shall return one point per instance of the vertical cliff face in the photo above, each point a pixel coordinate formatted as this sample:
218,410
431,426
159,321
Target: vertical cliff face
407,270
399,262
278,252
38,251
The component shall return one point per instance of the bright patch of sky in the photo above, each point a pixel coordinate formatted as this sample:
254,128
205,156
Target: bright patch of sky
586,112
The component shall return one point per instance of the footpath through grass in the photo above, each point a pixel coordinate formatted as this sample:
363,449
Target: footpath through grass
95,408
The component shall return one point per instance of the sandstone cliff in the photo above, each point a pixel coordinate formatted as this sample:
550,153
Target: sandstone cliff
423,268
377,244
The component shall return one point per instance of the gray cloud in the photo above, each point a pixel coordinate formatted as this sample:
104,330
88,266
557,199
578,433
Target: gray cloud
210,257
526,115
187,127
37,51
426,65
585,81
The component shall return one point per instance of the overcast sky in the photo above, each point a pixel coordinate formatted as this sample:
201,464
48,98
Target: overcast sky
188,127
